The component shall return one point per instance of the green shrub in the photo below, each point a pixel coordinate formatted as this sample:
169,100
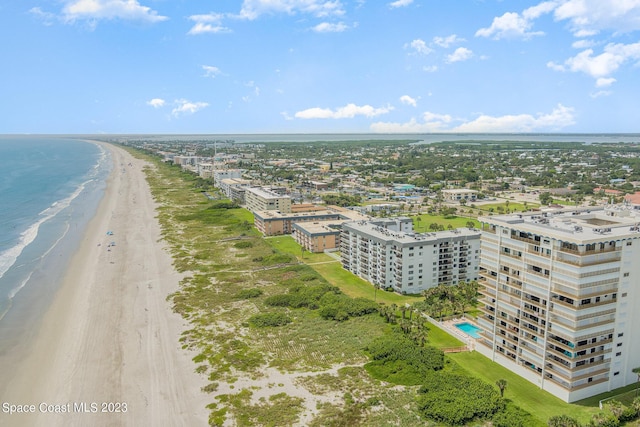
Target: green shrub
562,421
340,307
281,300
269,319
224,204
249,293
399,360
513,416
243,244
457,399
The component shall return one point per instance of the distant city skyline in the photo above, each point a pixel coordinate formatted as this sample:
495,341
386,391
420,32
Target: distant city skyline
319,66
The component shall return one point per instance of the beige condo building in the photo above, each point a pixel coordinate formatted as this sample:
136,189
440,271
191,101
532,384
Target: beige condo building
561,298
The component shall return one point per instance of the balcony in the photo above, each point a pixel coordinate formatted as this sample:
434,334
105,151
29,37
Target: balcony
586,259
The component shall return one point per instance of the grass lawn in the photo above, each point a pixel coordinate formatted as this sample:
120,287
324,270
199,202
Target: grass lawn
421,225
289,245
532,399
333,272
355,287
440,339
513,207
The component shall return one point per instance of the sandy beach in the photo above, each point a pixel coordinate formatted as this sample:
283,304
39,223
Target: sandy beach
108,353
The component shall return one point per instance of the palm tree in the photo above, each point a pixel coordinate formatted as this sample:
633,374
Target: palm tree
502,384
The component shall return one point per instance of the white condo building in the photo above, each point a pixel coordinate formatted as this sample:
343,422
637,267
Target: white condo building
561,298
387,253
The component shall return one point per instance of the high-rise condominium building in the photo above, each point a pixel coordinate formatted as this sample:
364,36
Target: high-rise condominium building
561,298
388,253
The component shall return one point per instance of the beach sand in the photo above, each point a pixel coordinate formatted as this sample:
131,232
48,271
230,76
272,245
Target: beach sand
109,340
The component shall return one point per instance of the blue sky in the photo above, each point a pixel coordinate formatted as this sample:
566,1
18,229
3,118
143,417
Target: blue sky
306,66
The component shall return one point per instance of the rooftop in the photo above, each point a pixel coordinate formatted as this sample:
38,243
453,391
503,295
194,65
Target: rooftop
583,225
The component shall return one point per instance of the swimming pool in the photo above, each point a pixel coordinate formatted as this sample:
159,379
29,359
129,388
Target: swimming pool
469,329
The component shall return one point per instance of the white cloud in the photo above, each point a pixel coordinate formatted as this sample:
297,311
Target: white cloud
46,17
156,102
252,9
586,18
447,41
406,99
346,112
460,54
559,118
582,44
184,106
602,65
540,9
327,27
514,25
554,66
600,93
604,82
211,71
207,24
431,122
430,68
419,47
589,17
109,9
509,25
400,3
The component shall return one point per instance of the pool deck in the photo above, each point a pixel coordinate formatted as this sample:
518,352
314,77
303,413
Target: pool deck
449,326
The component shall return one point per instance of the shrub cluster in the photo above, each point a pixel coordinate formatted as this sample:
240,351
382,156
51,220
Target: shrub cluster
249,293
302,296
269,319
341,307
332,303
457,399
398,359
223,204
243,244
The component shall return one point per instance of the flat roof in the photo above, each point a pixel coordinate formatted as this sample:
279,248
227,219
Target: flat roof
266,193
580,225
411,239
320,227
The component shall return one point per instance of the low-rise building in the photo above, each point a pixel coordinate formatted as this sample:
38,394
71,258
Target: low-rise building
260,199
234,188
318,236
458,194
273,223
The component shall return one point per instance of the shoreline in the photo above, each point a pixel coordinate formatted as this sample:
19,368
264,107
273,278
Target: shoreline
109,335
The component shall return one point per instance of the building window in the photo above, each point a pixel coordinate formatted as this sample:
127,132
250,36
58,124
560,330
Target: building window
616,373
620,334
629,243
619,344
619,354
626,274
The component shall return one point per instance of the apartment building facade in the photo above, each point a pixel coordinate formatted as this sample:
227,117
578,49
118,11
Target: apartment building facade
387,253
261,199
559,290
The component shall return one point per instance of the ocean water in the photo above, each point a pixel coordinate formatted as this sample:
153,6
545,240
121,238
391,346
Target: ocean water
49,189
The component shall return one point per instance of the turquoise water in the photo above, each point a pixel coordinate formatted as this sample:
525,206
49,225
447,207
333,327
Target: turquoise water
469,329
49,189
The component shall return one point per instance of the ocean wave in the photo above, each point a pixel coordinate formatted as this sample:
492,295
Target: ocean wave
9,256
